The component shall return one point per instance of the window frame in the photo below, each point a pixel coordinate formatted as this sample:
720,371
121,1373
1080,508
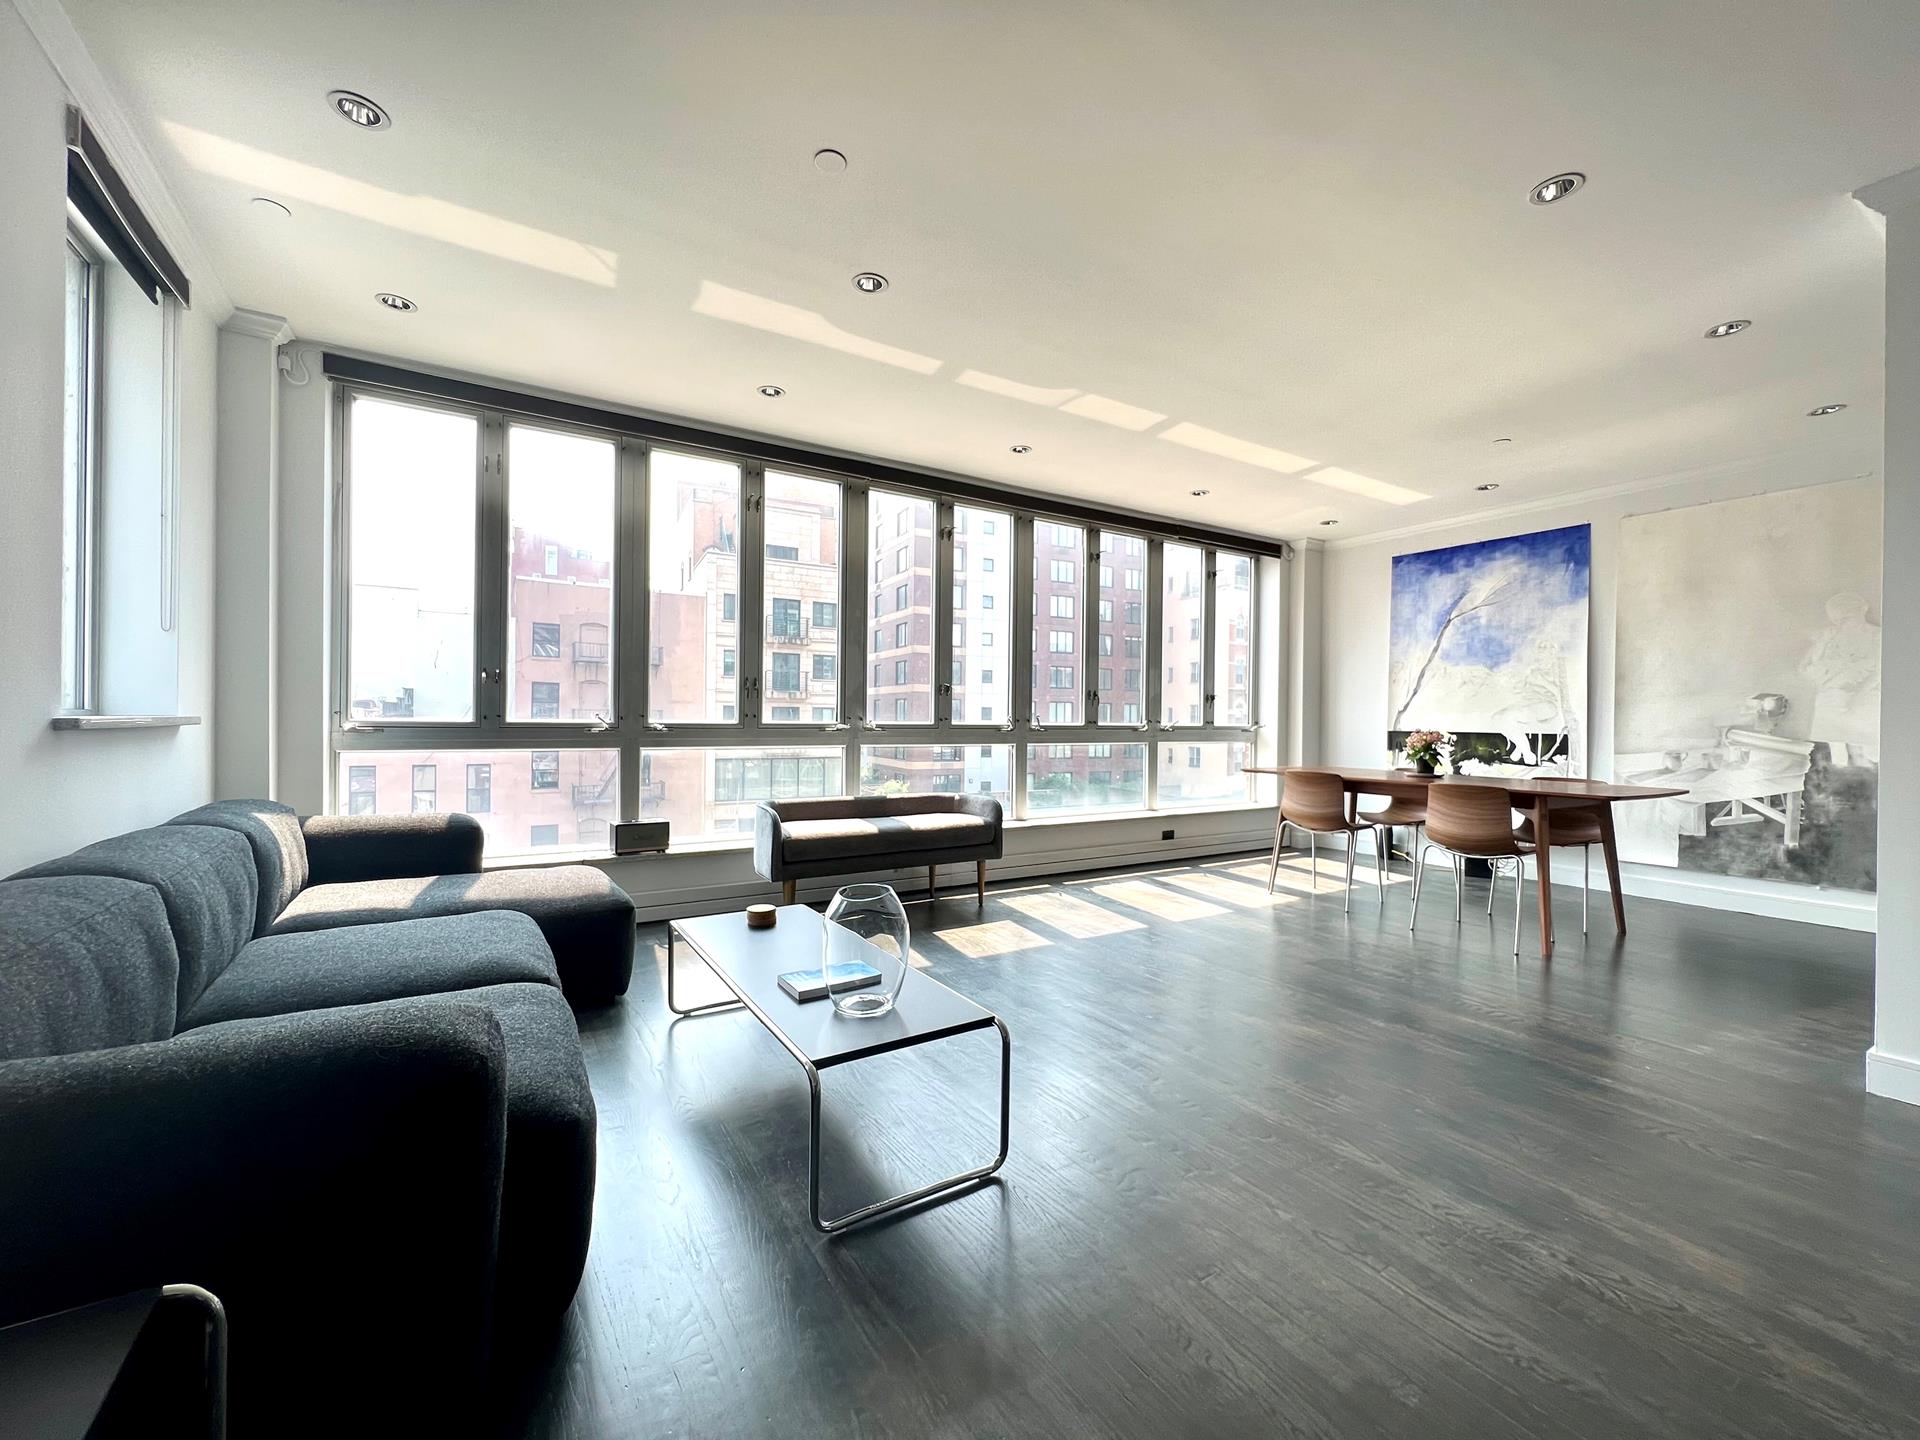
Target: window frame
626,728
80,612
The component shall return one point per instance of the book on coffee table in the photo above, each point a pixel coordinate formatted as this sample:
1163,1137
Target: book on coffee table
805,985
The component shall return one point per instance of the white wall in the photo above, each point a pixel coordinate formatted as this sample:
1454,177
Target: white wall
66,789
1357,592
1893,1065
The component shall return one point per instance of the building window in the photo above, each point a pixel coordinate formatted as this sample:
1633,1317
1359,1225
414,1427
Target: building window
1106,612
479,789
785,713
1060,607
546,641
1060,712
1060,677
900,595
786,672
1060,642
826,614
824,667
1061,572
783,619
552,564
426,789
362,794
900,636
728,663
544,835
823,714
546,700
900,672
783,552
546,769
729,607
1193,757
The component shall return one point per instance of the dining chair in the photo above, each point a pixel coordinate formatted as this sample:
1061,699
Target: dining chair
1570,827
1412,814
1472,822
1316,801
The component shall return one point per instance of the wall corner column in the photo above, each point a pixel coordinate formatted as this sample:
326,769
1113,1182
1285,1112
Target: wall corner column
246,505
1306,644
1893,1064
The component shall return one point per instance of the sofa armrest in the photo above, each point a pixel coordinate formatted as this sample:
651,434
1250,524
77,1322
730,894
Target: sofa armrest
766,841
987,808
391,847
334,1177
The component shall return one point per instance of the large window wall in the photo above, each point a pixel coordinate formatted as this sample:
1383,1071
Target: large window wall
556,627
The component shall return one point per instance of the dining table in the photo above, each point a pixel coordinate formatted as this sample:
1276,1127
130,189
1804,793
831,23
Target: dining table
1536,795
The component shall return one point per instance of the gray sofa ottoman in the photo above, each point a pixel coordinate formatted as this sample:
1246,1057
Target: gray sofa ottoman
795,840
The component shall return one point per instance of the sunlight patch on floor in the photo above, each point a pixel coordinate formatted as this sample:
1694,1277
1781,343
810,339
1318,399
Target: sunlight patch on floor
1233,892
1157,900
996,937
1078,919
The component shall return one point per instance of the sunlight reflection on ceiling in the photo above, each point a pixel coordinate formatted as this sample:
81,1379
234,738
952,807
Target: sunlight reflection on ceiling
1335,478
742,307
1112,412
1013,389
421,215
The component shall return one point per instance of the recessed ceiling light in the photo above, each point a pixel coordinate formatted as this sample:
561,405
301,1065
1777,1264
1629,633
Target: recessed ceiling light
1726,328
772,392
1490,485
831,161
271,209
1329,522
396,302
868,283
1557,188
1819,410
1198,493
358,110
1020,449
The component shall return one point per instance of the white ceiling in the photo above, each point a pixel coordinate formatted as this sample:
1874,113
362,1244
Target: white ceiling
1299,227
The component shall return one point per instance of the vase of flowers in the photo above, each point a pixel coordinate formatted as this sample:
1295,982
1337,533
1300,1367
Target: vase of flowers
1423,750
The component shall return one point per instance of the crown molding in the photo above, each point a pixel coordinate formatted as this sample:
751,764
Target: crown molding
273,329
1893,195
1574,498
88,88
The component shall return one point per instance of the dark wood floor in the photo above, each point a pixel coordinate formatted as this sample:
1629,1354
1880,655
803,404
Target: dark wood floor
1275,1172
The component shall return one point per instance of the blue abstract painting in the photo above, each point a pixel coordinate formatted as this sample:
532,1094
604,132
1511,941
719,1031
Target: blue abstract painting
1489,643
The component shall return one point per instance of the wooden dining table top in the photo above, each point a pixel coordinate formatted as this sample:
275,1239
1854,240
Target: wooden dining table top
1552,787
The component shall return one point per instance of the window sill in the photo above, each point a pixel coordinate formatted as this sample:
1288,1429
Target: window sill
734,845
123,722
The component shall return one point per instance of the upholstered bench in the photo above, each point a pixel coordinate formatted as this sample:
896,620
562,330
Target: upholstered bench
795,840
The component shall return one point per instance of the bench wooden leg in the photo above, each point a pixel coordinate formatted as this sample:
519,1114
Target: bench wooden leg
931,887
788,892
980,883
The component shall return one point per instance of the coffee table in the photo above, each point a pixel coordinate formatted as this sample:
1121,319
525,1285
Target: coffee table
750,964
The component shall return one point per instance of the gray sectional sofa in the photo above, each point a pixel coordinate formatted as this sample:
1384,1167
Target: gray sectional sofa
327,1069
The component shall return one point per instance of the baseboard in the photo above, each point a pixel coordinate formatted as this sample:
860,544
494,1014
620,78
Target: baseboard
1895,1077
956,881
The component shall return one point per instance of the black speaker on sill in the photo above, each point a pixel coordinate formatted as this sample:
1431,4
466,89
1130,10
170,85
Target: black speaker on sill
640,837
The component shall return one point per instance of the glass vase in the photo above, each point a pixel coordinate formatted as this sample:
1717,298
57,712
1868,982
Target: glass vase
866,924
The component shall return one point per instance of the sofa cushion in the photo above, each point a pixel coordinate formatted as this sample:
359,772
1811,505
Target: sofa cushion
279,850
205,878
86,963
855,837
546,1201
587,919
319,969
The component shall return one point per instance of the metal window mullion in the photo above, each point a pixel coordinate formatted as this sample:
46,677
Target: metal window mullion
750,668
492,589
1154,692
856,558
630,637
341,519
1025,621
1208,623
1088,616
943,582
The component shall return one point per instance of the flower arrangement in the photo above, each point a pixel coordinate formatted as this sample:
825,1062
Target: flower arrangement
1423,749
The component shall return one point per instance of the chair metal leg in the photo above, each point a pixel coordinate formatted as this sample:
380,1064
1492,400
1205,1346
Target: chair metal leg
1353,847
1586,883
1419,870
1459,885
1493,883
1313,858
1519,902
1380,863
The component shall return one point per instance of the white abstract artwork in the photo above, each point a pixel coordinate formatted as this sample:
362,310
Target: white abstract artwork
1747,668
1489,643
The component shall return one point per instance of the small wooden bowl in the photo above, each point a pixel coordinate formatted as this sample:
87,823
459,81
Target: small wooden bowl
761,917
